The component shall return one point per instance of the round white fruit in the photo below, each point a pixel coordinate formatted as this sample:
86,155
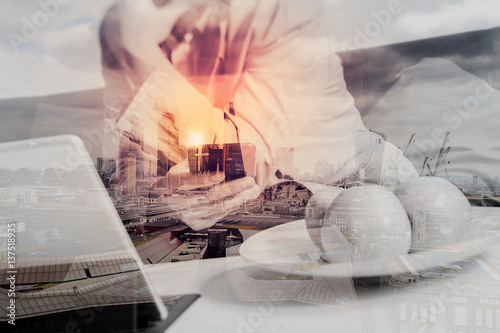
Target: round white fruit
437,209
373,221
317,209
318,205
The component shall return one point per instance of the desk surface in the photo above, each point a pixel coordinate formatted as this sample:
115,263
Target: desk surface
457,297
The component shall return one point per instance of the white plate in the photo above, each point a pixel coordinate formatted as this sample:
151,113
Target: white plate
289,248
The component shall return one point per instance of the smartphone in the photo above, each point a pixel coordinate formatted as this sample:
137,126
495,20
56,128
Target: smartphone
235,160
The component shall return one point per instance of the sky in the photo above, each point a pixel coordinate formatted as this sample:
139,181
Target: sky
409,19
63,54
437,97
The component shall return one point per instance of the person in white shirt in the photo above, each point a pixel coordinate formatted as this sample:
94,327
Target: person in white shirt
271,60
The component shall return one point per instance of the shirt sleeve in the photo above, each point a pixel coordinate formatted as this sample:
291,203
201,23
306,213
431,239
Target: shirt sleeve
289,93
292,88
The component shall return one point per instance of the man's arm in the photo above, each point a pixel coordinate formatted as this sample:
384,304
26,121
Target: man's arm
292,87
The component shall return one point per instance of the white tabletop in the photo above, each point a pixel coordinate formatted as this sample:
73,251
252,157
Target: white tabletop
456,298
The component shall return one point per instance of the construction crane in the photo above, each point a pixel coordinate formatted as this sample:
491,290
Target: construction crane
408,145
423,165
429,173
443,154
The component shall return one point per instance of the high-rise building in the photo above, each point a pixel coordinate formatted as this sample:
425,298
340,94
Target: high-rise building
107,166
284,160
168,153
475,181
199,159
216,243
100,164
130,173
137,134
216,158
234,166
194,163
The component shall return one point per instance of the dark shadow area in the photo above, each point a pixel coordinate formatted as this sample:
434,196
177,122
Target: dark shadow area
140,317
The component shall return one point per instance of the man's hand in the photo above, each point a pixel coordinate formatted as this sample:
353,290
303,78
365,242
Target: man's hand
179,177
205,199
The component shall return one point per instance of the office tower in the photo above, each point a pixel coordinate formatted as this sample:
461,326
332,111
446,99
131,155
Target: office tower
130,173
106,167
137,136
198,158
193,153
215,159
168,153
100,164
216,243
110,168
101,170
234,167
227,158
284,160
474,181
140,168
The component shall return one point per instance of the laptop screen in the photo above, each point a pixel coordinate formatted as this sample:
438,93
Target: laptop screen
67,262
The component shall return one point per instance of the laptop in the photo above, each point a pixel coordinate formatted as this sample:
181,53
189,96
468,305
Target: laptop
67,263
